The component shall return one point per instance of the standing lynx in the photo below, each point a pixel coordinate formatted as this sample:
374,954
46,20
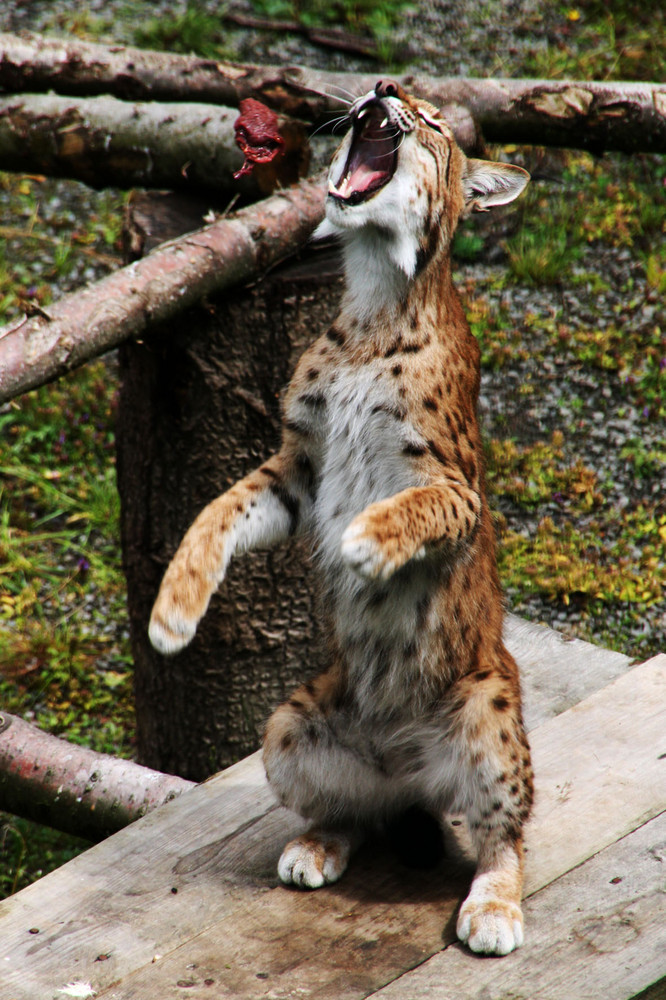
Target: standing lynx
381,466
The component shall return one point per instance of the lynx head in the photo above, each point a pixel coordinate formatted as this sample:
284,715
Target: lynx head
400,181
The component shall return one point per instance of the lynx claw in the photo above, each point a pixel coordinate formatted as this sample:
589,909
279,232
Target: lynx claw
491,928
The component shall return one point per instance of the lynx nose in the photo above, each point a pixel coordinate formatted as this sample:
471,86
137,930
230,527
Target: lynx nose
387,88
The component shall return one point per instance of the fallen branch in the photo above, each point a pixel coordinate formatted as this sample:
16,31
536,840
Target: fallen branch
93,320
107,142
54,782
329,38
630,117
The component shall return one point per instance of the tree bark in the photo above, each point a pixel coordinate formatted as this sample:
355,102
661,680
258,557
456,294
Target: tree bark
87,323
198,409
106,142
629,117
71,788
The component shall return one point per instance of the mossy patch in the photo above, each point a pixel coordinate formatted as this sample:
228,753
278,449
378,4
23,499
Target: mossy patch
565,563
532,474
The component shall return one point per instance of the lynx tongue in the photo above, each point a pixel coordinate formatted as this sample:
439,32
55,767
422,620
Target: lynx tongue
372,158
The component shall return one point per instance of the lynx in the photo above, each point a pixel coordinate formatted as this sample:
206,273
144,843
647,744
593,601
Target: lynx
381,466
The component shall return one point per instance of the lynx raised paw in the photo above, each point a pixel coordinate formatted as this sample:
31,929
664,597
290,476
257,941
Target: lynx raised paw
368,556
493,927
314,860
365,555
170,632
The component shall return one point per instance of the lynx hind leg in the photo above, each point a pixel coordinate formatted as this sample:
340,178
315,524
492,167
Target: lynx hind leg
490,921
316,858
336,786
499,774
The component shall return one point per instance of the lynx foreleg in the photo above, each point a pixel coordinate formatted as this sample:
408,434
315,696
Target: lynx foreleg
387,534
259,511
496,780
490,919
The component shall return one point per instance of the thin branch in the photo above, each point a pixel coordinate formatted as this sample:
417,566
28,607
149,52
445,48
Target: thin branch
51,781
124,304
329,38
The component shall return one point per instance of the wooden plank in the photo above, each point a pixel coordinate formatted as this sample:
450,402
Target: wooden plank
598,778
600,772
116,899
557,671
598,931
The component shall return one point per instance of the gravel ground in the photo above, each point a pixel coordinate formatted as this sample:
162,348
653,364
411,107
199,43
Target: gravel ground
589,406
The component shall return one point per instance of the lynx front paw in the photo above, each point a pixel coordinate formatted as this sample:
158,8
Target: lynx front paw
314,860
493,927
169,630
365,555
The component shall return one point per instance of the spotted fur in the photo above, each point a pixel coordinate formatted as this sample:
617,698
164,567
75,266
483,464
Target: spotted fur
381,466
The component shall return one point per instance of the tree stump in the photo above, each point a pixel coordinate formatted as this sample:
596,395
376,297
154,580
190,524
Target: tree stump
199,408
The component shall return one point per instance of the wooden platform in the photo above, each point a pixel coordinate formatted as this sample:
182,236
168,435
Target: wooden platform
185,903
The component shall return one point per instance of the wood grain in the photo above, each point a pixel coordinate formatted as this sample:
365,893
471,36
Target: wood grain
104,917
599,931
557,671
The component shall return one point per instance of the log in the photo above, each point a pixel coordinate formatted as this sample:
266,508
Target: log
86,323
104,141
609,115
74,789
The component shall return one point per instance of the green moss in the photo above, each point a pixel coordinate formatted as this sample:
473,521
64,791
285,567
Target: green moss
562,562
533,474
600,41
498,339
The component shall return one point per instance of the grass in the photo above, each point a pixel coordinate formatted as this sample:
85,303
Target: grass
590,205
61,666
596,40
192,31
197,31
39,246
60,574
60,582
29,851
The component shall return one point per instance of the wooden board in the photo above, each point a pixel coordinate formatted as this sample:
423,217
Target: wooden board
597,932
116,898
557,671
106,915
312,944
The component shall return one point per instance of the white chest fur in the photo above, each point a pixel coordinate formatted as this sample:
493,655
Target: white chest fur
360,431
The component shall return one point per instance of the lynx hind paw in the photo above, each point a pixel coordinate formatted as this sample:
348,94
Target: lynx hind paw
494,927
169,633
312,861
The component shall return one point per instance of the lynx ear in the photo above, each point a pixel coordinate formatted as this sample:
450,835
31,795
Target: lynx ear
487,184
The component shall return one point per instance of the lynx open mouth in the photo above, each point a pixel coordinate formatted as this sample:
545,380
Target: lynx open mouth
372,159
